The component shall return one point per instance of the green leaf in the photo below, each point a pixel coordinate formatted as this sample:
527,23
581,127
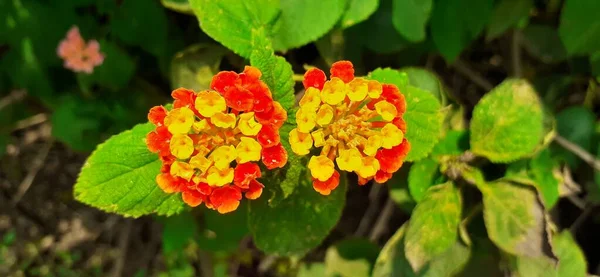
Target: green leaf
571,260
131,24
453,27
195,66
277,74
507,14
535,267
507,122
297,223
351,258
223,232
544,43
426,80
358,11
423,117
303,21
576,124
542,167
311,270
485,260
392,261
514,218
114,73
178,231
422,176
386,40
182,6
579,28
233,23
410,18
120,175
453,144
77,123
434,224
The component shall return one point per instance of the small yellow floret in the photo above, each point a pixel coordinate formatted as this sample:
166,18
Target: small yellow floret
375,89
200,162
334,91
305,120
180,120
372,144
248,150
321,167
218,178
392,136
300,142
324,115
311,99
248,125
387,110
349,160
223,120
210,102
181,146
369,167
358,89
181,169
223,156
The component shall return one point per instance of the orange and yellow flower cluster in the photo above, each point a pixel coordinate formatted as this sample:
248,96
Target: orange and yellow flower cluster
210,143
356,122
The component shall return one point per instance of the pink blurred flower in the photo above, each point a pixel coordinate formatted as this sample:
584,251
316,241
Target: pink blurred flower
79,56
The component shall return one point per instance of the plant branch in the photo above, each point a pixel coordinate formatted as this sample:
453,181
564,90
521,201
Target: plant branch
30,121
36,165
578,151
465,70
382,220
298,77
117,270
363,226
14,96
516,54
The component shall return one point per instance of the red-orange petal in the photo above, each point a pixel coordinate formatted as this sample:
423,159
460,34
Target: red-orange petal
390,160
157,115
400,123
392,94
314,77
363,181
275,116
192,198
245,173
239,99
158,141
167,183
343,70
255,190
268,136
382,176
224,80
252,72
183,98
274,157
226,199
327,186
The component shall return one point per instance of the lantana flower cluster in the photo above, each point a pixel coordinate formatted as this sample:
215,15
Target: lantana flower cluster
78,55
212,141
353,123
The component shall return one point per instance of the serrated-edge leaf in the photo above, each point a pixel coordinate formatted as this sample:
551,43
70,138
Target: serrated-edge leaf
358,11
421,177
434,225
135,196
277,73
507,122
572,261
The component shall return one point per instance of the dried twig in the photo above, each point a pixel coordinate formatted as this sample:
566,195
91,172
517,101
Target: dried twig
363,226
516,54
578,151
266,264
465,70
35,167
14,96
383,220
117,269
30,121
